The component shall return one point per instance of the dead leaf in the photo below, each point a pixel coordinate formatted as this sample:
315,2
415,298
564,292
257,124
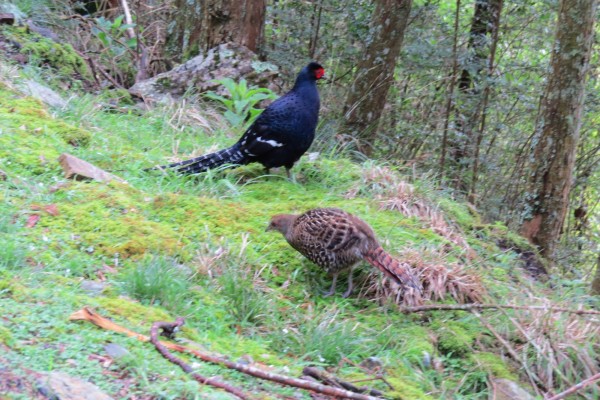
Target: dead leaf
51,209
32,220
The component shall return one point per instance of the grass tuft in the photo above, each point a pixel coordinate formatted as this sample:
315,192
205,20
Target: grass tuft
157,280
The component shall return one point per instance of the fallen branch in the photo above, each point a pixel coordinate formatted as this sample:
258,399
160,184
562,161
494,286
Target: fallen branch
577,387
171,327
87,314
327,378
468,307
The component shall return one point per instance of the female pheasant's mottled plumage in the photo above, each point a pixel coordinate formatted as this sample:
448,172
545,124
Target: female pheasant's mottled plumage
336,241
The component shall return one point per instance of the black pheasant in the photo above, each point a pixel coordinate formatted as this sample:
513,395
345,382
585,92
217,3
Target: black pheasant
279,136
336,241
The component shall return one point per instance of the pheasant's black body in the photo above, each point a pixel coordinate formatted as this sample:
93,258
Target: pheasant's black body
279,136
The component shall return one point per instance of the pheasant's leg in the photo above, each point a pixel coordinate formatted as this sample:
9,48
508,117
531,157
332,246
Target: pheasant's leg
332,289
348,292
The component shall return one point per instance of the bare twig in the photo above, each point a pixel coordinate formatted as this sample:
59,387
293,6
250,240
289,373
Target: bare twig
577,387
323,376
184,366
469,307
88,314
128,19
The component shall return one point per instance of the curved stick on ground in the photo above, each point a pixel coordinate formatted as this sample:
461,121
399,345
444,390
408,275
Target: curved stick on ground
170,327
88,314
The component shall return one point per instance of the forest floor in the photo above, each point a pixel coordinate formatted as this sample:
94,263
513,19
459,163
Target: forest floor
159,246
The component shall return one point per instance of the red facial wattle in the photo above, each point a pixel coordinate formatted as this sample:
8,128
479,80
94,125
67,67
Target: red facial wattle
319,73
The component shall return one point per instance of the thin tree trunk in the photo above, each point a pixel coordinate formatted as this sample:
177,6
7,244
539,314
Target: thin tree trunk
450,97
596,282
316,25
469,107
557,131
495,28
375,73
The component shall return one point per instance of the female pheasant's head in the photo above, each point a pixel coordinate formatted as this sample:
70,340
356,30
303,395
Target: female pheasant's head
281,223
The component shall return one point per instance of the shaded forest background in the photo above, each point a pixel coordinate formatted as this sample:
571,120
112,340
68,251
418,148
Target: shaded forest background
461,91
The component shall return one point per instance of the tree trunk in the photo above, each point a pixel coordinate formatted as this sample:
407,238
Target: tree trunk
596,282
183,41
375,73
486,18
496,10
241,22
557,130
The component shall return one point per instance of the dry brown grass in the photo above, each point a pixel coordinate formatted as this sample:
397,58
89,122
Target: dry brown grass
440,281
393,193
560,348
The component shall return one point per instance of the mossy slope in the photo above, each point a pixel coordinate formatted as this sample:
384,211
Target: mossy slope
212,227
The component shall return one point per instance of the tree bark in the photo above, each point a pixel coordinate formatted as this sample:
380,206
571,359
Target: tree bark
375,73
241,22
557,130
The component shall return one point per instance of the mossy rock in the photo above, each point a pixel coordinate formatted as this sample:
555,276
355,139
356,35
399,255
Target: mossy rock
493,365
405,389
60,56
455,337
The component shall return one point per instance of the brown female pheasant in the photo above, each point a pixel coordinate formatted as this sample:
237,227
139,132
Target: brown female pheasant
336,241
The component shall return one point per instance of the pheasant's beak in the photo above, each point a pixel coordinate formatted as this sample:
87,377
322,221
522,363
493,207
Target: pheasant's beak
269,228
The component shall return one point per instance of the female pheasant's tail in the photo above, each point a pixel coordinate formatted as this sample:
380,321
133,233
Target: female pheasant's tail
400,274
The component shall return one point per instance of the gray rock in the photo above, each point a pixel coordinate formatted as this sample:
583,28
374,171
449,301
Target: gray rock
505,389
43,93
60,386
115,351
228,60
92,287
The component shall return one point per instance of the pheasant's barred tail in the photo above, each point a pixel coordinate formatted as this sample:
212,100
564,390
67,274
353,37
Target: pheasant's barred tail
380,259
231,155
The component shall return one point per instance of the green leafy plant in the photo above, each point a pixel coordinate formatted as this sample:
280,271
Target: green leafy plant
110,32
241,101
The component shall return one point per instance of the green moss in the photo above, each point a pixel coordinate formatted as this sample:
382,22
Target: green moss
14,289
415,343
60,56
135,313
463,215
31,139
405,388
108,221
493,365
455,337
6,337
